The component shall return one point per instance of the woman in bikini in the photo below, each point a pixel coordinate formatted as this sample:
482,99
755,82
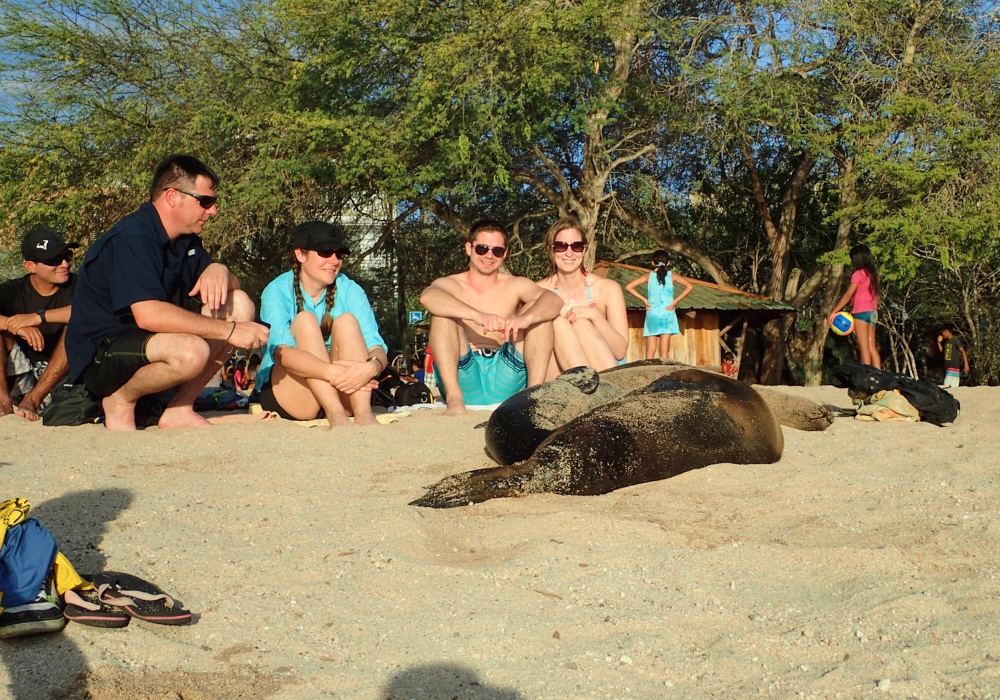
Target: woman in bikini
592,328
324,351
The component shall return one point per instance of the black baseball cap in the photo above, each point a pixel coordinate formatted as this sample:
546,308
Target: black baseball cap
42,244
318,235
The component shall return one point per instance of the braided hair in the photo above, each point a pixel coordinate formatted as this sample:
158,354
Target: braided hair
326,325
661,260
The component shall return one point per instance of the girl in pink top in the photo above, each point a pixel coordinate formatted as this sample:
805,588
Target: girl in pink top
863,295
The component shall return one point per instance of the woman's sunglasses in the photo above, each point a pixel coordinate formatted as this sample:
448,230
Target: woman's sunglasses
483,249
575,246
325,254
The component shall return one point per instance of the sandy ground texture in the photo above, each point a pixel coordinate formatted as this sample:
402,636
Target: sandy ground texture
862,564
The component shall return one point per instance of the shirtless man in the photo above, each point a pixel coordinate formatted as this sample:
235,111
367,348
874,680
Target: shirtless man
491,333
136,327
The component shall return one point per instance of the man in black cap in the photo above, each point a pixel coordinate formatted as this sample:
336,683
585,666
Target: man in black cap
34,311
132,333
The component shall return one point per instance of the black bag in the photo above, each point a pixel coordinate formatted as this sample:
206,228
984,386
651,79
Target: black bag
936,405
413,393
72,404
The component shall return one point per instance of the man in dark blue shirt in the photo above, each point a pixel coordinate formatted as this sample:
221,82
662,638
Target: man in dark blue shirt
131,333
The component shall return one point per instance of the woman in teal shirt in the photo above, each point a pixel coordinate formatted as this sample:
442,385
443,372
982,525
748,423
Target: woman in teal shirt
324,352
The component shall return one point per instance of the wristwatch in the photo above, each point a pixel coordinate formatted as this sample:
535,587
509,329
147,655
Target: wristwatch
41,315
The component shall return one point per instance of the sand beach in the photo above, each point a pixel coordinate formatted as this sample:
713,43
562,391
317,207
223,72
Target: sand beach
863,564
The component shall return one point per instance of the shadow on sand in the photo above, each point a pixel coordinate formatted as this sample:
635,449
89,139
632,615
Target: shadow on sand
42,665
443,681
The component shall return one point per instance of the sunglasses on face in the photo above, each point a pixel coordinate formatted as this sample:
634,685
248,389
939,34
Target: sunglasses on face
575,246
56,262
483,249
325,254
207,201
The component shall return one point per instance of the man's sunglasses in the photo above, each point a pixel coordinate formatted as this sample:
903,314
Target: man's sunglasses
56,262
207,201
483,249
326,254
575,246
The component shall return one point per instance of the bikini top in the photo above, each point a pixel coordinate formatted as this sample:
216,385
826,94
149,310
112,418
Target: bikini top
586,290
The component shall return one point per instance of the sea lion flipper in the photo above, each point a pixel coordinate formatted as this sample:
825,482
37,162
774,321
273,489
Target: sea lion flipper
586,379
473,487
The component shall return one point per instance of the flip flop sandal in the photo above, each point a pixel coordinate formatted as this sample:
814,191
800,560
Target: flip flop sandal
144,600
96,608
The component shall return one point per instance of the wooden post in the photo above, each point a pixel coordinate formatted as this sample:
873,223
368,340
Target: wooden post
739,347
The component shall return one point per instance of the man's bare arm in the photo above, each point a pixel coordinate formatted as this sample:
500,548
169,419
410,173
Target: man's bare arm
164,317
538,304
15,323
440,299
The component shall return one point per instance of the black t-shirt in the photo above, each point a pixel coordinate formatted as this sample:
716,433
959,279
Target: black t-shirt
19,296
953,353
134,261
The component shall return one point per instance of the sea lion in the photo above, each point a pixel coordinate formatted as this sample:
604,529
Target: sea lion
795,411
791,411
680,422
523,421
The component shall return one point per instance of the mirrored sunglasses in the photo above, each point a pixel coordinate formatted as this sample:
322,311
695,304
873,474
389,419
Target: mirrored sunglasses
325,254
575,246
483,249
206,201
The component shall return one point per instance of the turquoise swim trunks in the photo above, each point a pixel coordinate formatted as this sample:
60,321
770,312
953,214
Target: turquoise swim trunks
489,376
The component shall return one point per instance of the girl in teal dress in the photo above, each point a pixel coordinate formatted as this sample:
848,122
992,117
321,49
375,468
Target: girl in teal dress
661,318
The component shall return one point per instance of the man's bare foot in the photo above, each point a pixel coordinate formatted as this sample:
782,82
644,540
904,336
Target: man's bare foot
366,418
182,417
118,415
456,408
6,405
28,409
30,415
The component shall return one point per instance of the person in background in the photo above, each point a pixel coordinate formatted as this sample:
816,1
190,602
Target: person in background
951,347
661,316
34,311
226,373
863,293
417,371
240,375
729,365
253,365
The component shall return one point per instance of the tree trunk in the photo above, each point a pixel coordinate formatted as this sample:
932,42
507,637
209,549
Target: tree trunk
816,345
779,234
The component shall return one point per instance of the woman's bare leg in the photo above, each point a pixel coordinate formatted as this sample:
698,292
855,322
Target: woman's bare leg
596,348
650,347
863,331
873,348
567,350
347,343
303,398
665,346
